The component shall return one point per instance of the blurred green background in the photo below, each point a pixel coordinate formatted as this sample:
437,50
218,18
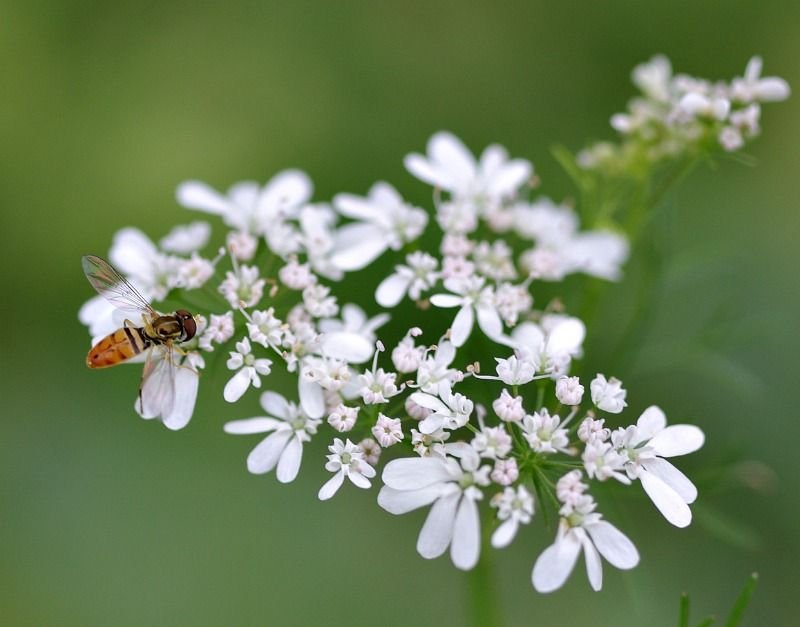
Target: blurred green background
110,520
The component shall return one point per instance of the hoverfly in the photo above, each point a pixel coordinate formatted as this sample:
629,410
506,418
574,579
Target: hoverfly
156,334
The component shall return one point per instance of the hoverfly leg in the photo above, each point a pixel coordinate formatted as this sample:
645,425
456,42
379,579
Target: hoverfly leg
148,366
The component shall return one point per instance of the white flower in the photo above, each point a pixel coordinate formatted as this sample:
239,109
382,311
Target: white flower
602,461
318,239
543,433
473,298
514,507
730,138
377,386
406,356
248,370
569,391
288,429
451,167
242,287
326,372
455,267
453,488
551,345
353,337
581,528
417,276
296,275
516,370
383,221
265,329
137,258
593,430
494,260
434,373
248,206
645,446
387,431
241,244
752,87
449,411
371,449
653,78
346,460
545,222
608,394
343,418
508,408
194,272
505,471
429,443
318,301
417,412
492,442
169,390
220,330
186,238
511,301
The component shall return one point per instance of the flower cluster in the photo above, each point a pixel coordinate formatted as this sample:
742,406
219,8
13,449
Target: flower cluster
479,396
677,114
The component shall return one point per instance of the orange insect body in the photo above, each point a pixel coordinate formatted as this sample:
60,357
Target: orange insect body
117,347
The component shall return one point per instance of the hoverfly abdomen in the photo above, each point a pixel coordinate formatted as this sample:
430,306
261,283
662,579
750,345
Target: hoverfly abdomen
117,347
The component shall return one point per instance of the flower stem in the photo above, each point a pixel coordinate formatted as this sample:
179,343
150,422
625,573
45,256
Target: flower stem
481,589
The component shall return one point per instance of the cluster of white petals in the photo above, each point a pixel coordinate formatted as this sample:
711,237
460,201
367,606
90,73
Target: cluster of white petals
478,392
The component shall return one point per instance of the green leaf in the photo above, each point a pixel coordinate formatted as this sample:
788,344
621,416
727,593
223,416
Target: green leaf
742,601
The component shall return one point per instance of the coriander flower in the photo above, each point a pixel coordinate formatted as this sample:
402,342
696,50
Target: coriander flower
505,471
474,299
169,391
544,433
644,447
264,328
435,373
608,394
454,489
448,410
552,344
242,287
450,166
387,431
417,276
514,507
219,330
343,418
569,391
346,460
382,221
288,427
248,370
751,87
492,442
581,529
508,408
186,238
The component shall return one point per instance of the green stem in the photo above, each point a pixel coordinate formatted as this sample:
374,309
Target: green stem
481,588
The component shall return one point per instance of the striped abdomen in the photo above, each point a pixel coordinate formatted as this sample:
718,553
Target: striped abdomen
118,346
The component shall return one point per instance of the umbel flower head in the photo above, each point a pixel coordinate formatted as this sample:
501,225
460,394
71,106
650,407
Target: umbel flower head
481,400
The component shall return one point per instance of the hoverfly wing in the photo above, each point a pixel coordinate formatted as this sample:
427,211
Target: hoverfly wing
114,287
157,392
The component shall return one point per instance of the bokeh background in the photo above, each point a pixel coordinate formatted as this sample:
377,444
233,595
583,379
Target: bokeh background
110,520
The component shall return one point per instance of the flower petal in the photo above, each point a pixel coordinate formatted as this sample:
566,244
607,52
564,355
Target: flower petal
462,326
331,486
651,422
359,480
404,501
667,500
505,533
236,386
677,440
198,195
266,453
508,178
357,245
446,300
275,405
465,549
489,321
289,462
673,477
437,531
429,401
556,563
252,425
312,398
186,384
287,189
453,157
420,167
356,207
391,290
347,346
613,545
412,473
594,567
